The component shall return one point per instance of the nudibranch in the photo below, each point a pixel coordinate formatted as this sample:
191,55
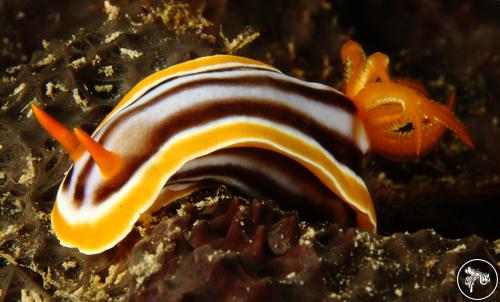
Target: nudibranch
236,121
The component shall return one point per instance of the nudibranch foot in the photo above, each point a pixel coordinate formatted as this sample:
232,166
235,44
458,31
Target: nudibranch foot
400,118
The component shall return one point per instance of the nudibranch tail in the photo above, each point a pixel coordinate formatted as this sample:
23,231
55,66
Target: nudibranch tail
109,163
63,135
401,120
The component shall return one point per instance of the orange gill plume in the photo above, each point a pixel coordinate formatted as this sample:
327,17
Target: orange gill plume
76,142
400,119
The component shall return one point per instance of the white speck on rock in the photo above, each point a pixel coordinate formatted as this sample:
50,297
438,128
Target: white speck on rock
78,63
18,89
96,60
111,10
79,100
106,71
49,59
29,172
398,292
111,37
103,88
307,237
133,54
150,264
457,249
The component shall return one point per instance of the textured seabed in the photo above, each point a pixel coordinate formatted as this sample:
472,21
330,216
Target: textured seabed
79,58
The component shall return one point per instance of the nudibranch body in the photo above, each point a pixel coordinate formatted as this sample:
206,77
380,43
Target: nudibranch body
218,119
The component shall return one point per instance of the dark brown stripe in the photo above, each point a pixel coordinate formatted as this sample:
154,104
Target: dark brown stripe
79,193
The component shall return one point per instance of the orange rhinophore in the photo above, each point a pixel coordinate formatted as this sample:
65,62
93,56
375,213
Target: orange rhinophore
64,136
400,119
109,163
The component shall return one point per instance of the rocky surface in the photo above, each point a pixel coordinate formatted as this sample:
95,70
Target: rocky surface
78,59
221,248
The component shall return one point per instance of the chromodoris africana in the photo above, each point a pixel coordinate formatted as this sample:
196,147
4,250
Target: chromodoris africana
236,121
